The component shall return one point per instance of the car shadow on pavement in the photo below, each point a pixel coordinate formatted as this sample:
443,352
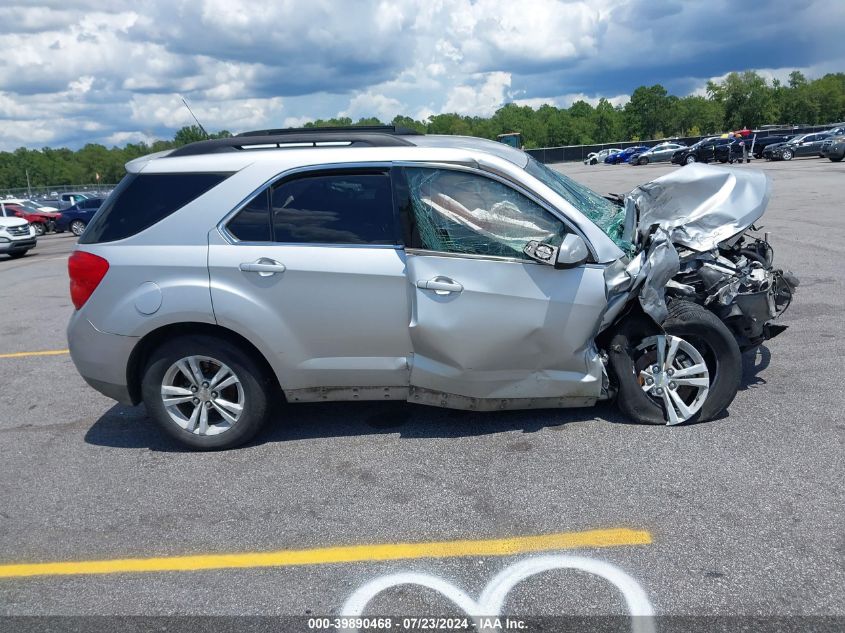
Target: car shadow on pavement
130,427
753,362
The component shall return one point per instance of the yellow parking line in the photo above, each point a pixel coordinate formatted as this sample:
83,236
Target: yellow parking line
345,554
49,352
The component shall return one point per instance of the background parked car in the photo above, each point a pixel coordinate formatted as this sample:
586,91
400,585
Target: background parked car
30,205
761,143
16,234
41,221
702,152
66,200
833,148
594,158
802,145
625,155
658,154
77,217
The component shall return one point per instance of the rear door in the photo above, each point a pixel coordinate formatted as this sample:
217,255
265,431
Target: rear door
311,269
487,322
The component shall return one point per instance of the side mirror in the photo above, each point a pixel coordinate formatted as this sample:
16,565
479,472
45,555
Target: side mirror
573,252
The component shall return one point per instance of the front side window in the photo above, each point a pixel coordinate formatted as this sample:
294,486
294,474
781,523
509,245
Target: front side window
458,212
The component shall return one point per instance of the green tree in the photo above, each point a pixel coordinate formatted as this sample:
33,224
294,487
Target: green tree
647,111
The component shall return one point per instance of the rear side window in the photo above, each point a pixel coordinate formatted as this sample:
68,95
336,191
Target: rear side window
252,224
142,200
337,207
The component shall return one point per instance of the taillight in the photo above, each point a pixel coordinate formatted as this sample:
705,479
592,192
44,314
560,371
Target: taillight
86,272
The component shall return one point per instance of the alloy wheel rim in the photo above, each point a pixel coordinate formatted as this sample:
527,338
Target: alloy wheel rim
77,227
202,395
673,374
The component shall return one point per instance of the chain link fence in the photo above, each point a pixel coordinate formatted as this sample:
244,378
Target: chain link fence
52,192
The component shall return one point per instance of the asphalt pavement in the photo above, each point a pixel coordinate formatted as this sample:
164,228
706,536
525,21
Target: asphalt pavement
742,515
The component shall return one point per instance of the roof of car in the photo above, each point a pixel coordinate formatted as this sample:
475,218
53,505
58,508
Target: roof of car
355,144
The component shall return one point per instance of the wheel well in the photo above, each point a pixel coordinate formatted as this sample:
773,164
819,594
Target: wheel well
156,338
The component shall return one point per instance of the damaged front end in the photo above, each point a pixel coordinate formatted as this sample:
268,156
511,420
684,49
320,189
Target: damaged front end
691,232
738,283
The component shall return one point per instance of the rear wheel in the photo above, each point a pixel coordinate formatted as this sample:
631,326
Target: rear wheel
206,392
77,227
689,372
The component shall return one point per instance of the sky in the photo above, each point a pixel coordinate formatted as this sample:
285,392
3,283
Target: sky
89,71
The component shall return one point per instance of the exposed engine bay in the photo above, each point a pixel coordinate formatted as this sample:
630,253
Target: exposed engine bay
694,238
738,282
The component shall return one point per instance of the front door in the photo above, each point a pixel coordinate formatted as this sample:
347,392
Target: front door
489,325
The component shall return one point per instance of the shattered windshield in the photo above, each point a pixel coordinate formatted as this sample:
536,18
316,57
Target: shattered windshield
609,217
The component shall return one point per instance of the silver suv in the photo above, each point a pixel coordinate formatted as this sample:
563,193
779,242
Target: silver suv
227,276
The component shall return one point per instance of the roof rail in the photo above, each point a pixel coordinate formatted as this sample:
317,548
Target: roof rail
369,136
395,130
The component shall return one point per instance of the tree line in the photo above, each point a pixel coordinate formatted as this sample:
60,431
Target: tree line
740,100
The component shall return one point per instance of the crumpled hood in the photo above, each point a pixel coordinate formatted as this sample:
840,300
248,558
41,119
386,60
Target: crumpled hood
698,205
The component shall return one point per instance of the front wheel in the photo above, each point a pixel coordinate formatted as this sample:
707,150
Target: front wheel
689,160
39,228
18,254
205,392
786,154
689,372
835,159
643,161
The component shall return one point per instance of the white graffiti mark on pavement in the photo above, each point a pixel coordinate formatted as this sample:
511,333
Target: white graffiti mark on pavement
492,599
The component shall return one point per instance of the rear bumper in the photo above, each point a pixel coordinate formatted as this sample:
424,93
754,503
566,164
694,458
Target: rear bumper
101,358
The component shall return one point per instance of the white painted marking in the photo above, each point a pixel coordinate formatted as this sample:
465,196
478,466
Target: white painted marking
493,596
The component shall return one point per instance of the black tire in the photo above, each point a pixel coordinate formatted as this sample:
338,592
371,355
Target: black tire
698,326
39,229
18,254
689,160
835,159
257,385
786,154
643,161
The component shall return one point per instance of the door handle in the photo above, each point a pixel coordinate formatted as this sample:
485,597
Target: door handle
440,285
264,267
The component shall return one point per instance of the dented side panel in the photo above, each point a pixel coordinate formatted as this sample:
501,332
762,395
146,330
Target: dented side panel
515,330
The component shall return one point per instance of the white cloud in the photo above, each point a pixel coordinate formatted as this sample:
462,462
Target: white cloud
483,99
122,138
369,104
564,101
78,71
